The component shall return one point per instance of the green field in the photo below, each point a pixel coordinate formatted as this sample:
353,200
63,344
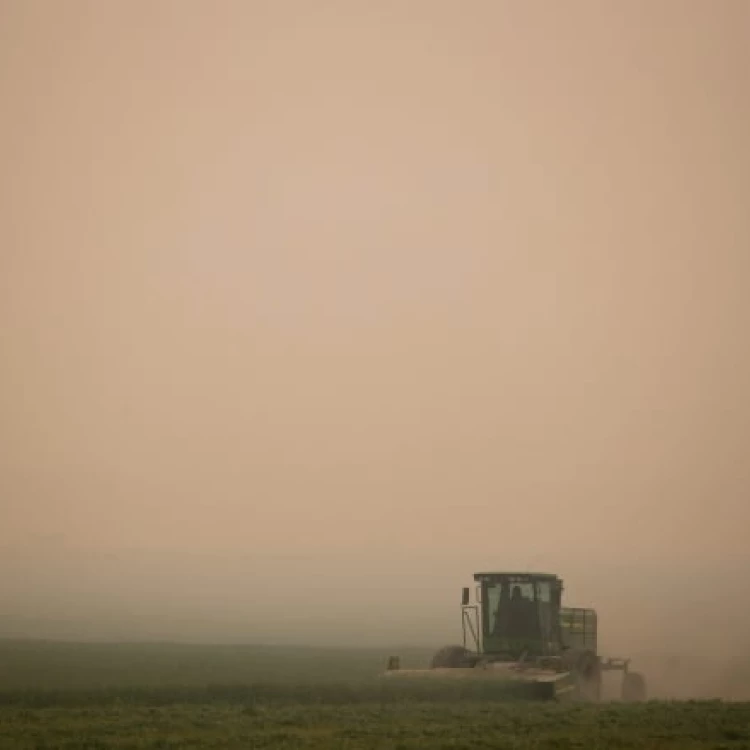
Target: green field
169,696
55,665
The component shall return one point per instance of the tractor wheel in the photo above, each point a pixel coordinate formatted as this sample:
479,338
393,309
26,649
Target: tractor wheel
587,673
453,657
633,687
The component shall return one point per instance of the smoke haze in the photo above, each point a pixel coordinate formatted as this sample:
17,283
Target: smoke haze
310,310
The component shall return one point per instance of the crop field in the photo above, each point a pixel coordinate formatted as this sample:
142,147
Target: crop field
90,696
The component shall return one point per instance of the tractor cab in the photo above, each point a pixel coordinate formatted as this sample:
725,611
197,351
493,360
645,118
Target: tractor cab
518,613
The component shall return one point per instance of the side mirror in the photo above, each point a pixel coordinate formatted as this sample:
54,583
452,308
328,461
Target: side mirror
464,596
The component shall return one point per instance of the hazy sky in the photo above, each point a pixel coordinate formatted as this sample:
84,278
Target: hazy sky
308,310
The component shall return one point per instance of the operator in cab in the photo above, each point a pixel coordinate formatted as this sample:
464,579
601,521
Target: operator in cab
521,614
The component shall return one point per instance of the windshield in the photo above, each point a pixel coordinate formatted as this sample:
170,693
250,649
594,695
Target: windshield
518,611
510,608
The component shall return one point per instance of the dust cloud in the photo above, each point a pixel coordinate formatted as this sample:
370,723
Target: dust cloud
309,311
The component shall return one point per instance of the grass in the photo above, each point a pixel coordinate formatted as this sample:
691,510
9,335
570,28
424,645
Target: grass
412,724
65,696
65,666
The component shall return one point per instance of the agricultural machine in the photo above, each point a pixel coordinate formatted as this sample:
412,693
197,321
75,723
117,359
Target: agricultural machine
518,630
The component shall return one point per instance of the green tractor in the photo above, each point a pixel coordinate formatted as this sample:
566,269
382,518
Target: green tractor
518,630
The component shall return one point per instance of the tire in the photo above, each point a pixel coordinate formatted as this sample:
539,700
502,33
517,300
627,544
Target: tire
633,687
453,657
587,673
